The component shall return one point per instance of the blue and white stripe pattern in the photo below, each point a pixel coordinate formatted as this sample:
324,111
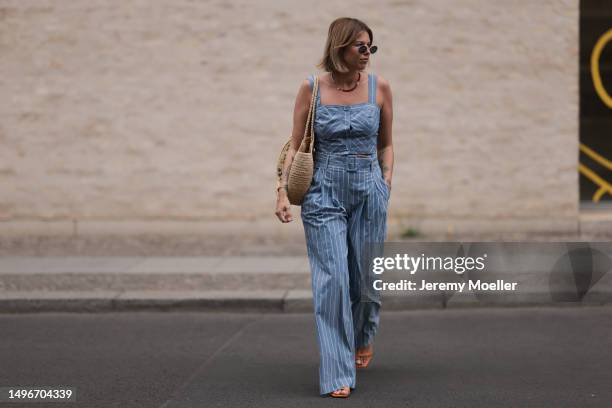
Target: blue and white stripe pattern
344,209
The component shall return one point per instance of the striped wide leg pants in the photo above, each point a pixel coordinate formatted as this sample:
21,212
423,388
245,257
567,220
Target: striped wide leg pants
344,210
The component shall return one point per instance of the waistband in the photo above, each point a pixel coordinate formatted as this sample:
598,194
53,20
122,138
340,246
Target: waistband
347,161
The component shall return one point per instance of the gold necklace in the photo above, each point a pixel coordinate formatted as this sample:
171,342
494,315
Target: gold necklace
347,90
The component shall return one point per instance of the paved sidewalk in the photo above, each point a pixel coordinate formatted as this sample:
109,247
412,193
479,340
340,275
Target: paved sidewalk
247,283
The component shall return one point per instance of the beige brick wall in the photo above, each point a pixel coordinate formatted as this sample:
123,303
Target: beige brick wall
176,110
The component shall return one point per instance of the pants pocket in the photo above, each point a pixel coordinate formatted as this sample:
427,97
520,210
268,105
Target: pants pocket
383,187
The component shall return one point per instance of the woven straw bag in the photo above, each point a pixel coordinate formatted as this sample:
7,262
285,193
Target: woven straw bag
301,169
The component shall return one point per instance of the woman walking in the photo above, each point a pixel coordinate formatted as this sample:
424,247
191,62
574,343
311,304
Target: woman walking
345,207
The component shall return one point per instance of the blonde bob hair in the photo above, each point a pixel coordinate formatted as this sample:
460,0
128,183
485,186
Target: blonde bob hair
342,33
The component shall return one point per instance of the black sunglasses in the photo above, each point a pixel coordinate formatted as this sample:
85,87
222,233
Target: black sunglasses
362,49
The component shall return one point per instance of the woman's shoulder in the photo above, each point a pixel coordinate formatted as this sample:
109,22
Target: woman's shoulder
382,82
307,84
306,88
383,88
311,77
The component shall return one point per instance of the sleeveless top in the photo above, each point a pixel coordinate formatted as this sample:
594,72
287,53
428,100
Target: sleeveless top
347,129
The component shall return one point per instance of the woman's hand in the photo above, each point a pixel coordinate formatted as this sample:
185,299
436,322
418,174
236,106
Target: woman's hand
388,183
283,207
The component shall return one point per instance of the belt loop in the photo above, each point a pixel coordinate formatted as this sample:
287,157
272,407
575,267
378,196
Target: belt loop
352,163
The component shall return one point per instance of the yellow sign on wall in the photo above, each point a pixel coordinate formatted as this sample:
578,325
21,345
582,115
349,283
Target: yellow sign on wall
595,166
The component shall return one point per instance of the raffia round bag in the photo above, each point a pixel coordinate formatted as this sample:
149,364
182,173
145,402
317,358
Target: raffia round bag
301,169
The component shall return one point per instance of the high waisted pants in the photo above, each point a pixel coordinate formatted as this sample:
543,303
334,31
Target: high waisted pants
345,208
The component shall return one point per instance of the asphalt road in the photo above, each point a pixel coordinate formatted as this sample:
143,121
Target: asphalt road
524,357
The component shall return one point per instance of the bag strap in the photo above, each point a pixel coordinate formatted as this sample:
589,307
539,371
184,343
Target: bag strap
308,141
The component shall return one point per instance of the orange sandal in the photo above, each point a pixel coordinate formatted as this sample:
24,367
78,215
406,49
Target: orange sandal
363,356
343,392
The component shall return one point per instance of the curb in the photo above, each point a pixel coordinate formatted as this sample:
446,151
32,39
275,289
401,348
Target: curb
291,301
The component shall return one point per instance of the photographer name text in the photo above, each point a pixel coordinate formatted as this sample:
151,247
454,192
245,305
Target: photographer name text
478,285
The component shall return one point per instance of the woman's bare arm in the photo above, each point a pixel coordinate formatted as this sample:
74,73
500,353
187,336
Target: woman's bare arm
300,114
385,140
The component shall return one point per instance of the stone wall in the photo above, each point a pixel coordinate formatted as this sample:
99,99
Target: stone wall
174,112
